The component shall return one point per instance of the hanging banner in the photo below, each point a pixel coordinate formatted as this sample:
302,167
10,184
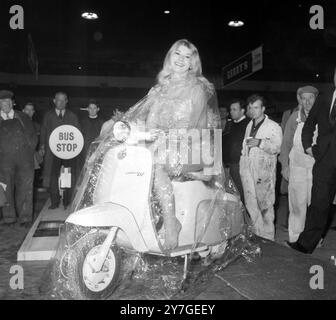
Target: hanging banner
243,66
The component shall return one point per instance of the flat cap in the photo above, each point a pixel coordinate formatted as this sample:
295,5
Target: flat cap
308,89
6,94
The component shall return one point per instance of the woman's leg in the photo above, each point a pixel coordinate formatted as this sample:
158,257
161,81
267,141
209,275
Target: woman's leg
164,191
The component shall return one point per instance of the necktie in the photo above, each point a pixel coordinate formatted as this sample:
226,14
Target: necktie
332,116
60,115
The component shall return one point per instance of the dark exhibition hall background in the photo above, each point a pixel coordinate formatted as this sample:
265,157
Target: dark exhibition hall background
131,38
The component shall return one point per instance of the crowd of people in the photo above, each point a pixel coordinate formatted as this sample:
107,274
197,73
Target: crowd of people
253,146
303,146
25,154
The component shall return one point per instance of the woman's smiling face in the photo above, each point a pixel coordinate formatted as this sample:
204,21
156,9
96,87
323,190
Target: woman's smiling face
180,60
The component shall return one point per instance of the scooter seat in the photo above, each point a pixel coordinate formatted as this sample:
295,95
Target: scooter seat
193,176
198,175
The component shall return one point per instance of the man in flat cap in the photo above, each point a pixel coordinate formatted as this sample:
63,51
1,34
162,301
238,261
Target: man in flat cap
296,165
323,114
17,145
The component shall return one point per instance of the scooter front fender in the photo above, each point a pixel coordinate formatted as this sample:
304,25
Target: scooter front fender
110,215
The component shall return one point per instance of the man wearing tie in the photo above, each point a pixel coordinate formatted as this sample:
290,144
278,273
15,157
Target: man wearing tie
322,114
54,118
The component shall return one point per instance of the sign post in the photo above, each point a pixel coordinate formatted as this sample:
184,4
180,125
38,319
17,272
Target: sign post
243,66
66,142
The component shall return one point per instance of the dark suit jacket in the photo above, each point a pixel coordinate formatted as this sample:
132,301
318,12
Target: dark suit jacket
30,137
326,133
50,122
232,142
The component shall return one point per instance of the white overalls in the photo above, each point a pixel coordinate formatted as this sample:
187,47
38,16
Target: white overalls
258,175
300,183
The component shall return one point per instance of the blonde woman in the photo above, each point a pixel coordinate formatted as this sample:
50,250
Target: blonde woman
182,99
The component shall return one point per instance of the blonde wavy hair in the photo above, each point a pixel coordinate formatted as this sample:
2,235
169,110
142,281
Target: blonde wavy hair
195,63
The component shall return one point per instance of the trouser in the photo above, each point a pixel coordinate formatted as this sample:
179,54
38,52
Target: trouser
299,196
259,200
54,185
235,175
19,179
323,191
283,187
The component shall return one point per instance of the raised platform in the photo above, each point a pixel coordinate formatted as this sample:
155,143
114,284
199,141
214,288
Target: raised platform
42,239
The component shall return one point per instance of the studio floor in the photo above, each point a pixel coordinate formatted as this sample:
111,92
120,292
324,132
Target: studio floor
280,273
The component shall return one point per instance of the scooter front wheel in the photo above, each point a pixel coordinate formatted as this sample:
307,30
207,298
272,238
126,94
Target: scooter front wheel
85,281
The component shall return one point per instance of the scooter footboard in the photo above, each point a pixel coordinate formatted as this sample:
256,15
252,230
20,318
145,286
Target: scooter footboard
111,215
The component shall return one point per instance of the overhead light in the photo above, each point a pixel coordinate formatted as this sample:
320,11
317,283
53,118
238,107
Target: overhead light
166,12
236,23
317,75
90,15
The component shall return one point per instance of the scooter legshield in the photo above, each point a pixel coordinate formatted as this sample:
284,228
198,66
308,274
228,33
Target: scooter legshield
110,215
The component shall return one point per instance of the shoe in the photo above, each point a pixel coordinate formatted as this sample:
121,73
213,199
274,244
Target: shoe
296,246
284,228
53,206
11,224
195,256
321,243
25,224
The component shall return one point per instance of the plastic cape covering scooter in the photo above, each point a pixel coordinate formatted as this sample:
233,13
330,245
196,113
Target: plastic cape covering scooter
113,204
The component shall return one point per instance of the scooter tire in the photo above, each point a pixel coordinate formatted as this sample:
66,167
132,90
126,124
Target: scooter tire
75,274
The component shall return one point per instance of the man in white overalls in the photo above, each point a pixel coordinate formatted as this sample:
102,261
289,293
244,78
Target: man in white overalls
258,161
297,165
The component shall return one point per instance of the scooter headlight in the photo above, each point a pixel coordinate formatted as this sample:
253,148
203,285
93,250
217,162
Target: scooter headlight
121,131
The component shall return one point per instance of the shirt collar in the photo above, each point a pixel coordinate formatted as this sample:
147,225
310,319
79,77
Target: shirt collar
261,122
9,115
240,120
303,114
58,112
95,117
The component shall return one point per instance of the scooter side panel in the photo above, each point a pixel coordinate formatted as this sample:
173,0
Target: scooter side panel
188,195
212,228
199,224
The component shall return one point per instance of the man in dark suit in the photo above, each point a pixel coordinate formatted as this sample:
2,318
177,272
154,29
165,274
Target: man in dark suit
52,164
233,141
323,114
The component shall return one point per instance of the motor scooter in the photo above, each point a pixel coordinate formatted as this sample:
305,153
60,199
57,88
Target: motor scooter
122,217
